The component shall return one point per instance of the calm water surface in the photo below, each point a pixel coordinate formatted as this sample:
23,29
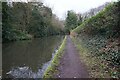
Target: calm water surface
29,58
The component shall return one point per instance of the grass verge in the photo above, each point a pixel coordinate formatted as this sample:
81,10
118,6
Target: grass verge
52,69
97,68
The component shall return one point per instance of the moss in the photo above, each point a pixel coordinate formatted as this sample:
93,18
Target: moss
52,68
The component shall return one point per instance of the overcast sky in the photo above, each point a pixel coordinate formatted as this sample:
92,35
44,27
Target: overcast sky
60,7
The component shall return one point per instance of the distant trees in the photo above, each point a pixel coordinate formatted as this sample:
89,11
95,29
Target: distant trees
72,20
94,11
24,20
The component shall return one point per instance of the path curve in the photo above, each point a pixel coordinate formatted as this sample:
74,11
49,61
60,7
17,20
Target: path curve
70,64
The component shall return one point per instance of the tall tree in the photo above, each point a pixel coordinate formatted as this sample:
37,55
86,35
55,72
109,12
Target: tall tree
71,20
79,19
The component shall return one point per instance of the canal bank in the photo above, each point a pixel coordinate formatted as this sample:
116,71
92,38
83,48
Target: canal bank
52,68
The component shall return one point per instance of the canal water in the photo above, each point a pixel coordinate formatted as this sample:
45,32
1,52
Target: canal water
28,58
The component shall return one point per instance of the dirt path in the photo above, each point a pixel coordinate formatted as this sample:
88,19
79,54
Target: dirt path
70,65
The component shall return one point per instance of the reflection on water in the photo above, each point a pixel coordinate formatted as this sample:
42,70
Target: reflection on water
28,59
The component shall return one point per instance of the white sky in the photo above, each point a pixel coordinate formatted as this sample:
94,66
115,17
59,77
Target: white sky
60,7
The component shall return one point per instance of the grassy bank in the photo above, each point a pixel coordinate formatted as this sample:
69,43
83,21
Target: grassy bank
52,69
91,55
106,22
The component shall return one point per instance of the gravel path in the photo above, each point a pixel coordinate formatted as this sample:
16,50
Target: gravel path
70,64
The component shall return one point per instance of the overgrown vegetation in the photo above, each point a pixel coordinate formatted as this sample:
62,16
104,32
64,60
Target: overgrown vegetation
105,22
26,20
100,36
90,55
52,69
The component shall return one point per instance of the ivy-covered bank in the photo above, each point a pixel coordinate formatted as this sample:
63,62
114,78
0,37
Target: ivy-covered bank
52,68
95,60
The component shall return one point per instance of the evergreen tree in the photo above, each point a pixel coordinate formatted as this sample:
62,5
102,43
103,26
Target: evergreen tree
71,21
